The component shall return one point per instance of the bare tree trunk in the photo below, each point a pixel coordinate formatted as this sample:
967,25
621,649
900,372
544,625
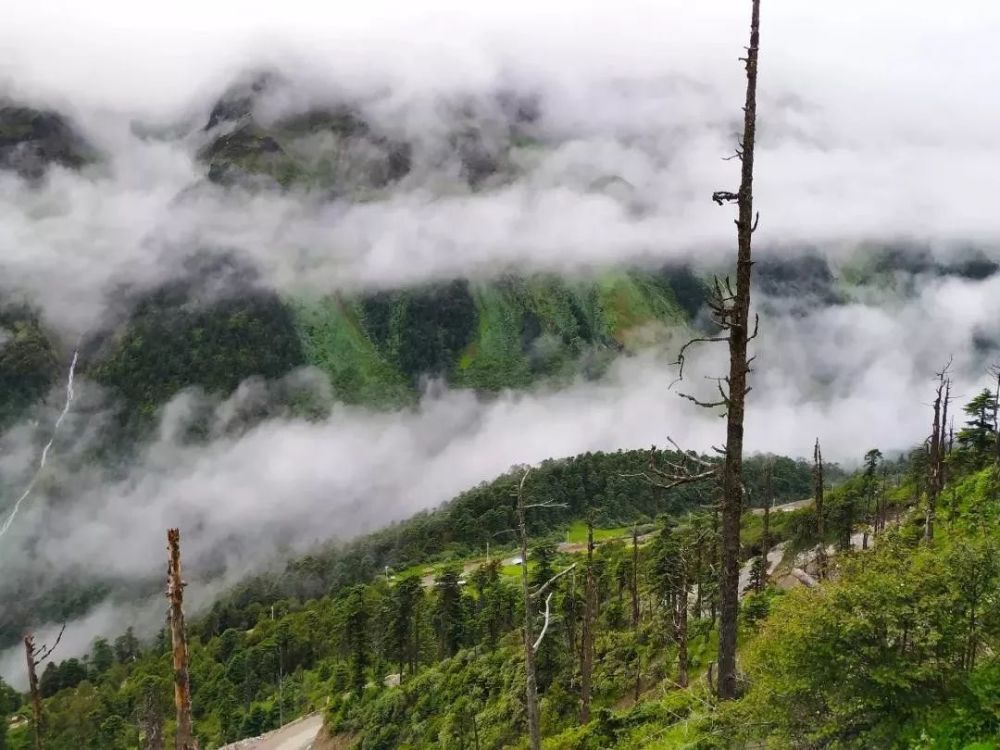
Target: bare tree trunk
635,609
944,447
995,371
182,689
934,461
36,655
587,646
36,697
765,538
571,620
681,618
717,560
635,579
531,685
699,575
818,491
739,367
151,724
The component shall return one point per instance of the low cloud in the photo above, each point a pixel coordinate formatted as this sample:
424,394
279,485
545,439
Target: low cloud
892,143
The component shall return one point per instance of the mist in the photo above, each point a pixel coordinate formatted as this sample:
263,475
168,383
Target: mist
638,103
645,96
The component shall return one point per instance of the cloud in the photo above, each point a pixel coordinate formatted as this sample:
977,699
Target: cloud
856,375
873,129
890,143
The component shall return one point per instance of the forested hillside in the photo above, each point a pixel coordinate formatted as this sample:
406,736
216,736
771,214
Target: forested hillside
410,638
466,356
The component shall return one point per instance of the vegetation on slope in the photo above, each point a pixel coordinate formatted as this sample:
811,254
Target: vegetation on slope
238,649
31,140
28,361
214,326
897,649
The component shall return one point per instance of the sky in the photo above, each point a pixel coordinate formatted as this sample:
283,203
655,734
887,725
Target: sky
876,126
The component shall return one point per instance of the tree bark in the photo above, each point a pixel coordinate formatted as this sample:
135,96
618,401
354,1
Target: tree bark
587,637
739,367
635,579
151,723
996,418
635,610
934,461
531,685
182,688
36,697
681,618
820,526
765,537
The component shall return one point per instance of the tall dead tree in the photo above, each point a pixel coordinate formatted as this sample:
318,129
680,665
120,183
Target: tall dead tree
35,655
731,312
680,614
818,506
587,637
995,372
760,582
150,721
736,315
531,643
182,687
936,450
635,610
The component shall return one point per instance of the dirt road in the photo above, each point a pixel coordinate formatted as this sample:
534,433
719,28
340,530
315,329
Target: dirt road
299,735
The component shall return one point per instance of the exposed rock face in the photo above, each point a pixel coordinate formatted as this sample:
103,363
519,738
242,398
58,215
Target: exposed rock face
31,140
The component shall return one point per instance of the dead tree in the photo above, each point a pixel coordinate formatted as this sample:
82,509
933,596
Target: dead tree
936,450
36,655
731,311
995,372
151,722
587,637
635,609
818,506
945,447
531,644
681,622
182,688
765,537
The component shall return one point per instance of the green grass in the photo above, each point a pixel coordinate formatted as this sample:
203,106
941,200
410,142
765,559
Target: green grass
630,302
333,341
577,533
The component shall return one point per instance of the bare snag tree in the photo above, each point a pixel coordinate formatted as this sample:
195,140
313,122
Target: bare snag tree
937,450
587,645
36,655
532,644
731,312
820,511
182,688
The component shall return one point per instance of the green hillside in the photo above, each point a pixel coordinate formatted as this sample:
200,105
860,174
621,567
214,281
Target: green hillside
377,348
897,649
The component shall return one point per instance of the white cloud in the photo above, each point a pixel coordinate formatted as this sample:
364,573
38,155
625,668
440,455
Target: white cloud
874,126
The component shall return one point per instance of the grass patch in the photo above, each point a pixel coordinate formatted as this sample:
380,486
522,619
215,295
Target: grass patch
577,533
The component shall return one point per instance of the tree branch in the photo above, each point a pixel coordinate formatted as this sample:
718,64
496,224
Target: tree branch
46,651
552,580
545,626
